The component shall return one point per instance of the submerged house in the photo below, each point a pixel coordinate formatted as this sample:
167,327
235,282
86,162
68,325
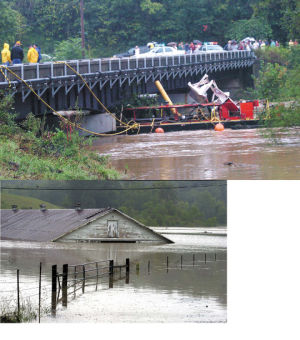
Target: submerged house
74,225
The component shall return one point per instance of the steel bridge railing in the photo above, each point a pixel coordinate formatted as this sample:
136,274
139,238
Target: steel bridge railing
95,68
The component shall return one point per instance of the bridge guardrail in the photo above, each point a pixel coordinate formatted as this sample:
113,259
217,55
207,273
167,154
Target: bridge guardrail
51,71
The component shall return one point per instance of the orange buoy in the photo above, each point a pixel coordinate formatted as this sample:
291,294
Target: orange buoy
219,127
159,130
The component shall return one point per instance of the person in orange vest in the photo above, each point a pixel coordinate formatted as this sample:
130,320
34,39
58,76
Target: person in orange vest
32,55
5,54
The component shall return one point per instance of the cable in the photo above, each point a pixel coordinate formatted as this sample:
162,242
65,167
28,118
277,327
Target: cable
129,127
204,185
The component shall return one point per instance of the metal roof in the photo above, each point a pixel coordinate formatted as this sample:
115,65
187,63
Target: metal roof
38,225
50,225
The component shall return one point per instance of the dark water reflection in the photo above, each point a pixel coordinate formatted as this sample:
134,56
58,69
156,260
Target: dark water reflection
197,155
194,291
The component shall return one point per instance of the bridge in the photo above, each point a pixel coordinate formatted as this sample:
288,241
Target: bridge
62,84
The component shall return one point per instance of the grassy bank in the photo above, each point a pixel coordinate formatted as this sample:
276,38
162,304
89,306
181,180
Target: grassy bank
31,151
23,202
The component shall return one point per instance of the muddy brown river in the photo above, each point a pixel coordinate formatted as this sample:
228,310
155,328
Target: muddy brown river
200,155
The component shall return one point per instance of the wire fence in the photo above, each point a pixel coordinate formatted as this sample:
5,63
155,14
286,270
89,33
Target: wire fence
73,280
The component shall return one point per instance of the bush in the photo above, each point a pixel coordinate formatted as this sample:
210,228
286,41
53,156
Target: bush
59,144
271,79
279,55
7,117
68,49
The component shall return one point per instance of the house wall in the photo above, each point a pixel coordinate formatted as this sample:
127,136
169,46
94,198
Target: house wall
99,229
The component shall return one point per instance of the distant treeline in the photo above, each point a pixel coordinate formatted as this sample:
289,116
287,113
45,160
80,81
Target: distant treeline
174,203
113,25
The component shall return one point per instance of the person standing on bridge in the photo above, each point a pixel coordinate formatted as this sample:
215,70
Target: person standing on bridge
5,54
187,48
32,55
17,53
137,51
38,51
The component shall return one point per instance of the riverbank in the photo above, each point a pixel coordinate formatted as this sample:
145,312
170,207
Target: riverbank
31,151
19,160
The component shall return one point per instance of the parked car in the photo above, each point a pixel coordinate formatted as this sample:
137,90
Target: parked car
211,48
160,51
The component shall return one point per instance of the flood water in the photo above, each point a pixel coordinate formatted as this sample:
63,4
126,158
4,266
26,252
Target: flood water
184,288
204,154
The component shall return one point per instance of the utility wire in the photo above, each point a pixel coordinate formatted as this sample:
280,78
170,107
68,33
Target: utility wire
192,186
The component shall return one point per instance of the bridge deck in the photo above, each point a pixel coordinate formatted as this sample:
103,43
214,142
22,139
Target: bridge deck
63,87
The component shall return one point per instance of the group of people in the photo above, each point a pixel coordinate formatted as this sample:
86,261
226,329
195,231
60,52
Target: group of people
189,47
249,45
16,55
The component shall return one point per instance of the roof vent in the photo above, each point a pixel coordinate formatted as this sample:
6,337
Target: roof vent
14,207
78,206
43,207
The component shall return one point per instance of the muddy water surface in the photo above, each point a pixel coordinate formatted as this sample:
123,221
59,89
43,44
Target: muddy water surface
198,155
191,290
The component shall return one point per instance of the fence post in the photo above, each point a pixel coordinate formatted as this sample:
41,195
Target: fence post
75,280
127,265
127,271
205,257
193,260
148,267
167,264
215,256
18,291
64,288
137,269
181,261
40,287
54,289
97,273
83,278
111,274
111,267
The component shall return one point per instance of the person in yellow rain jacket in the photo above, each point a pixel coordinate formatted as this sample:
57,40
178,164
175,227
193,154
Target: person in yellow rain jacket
5,54
32,55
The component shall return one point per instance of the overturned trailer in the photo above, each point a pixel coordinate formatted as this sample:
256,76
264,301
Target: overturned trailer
211,106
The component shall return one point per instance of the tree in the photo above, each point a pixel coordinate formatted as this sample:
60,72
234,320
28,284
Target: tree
9,26
254,27
68,49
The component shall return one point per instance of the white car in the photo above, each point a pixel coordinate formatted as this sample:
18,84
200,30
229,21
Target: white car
160,51
211,48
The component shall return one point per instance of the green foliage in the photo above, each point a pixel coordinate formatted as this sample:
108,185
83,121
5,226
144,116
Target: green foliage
254,27
69,49
32,151
284,117
7,117
9,24
273,55
112,26
23,202
278,78
172,207
270,82
282,16
279,83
